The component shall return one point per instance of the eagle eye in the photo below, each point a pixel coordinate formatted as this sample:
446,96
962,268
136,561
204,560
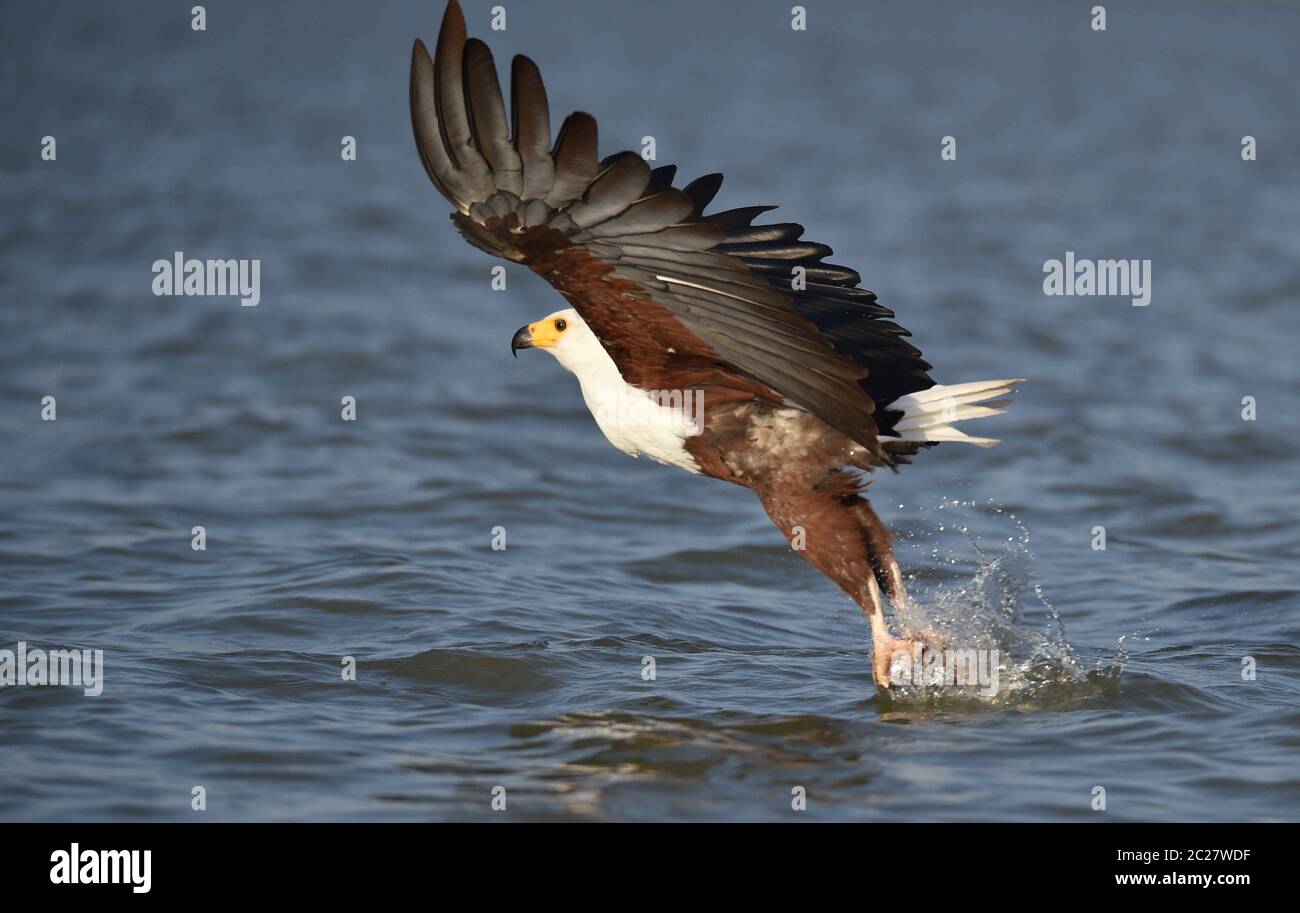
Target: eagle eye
561,326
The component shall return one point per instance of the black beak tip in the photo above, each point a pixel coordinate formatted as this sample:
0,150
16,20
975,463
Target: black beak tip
523,339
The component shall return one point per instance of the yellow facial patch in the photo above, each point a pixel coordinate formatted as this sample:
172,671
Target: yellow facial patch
548,332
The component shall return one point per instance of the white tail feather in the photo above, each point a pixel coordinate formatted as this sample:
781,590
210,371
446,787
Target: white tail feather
929,415
941,417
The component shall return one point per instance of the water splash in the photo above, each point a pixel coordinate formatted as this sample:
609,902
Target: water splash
970,597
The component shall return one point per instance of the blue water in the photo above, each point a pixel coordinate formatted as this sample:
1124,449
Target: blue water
522,667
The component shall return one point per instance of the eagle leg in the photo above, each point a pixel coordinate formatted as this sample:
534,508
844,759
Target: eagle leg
884,645
889,578
880,549
835,528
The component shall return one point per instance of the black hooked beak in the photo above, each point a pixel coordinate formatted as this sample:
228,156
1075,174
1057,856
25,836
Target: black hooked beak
523,340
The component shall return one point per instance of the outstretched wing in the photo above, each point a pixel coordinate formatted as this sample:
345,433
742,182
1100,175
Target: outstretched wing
671,293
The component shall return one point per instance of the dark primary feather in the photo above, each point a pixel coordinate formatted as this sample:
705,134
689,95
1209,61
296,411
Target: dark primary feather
450,102
848,316
428,136
575,158
530,119
670,291
618,185
662,178
488,117
702,190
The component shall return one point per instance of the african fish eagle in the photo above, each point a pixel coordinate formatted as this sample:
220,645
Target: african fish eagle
804,381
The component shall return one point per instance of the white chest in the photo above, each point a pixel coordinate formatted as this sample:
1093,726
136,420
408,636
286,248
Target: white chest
638,422
657,423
